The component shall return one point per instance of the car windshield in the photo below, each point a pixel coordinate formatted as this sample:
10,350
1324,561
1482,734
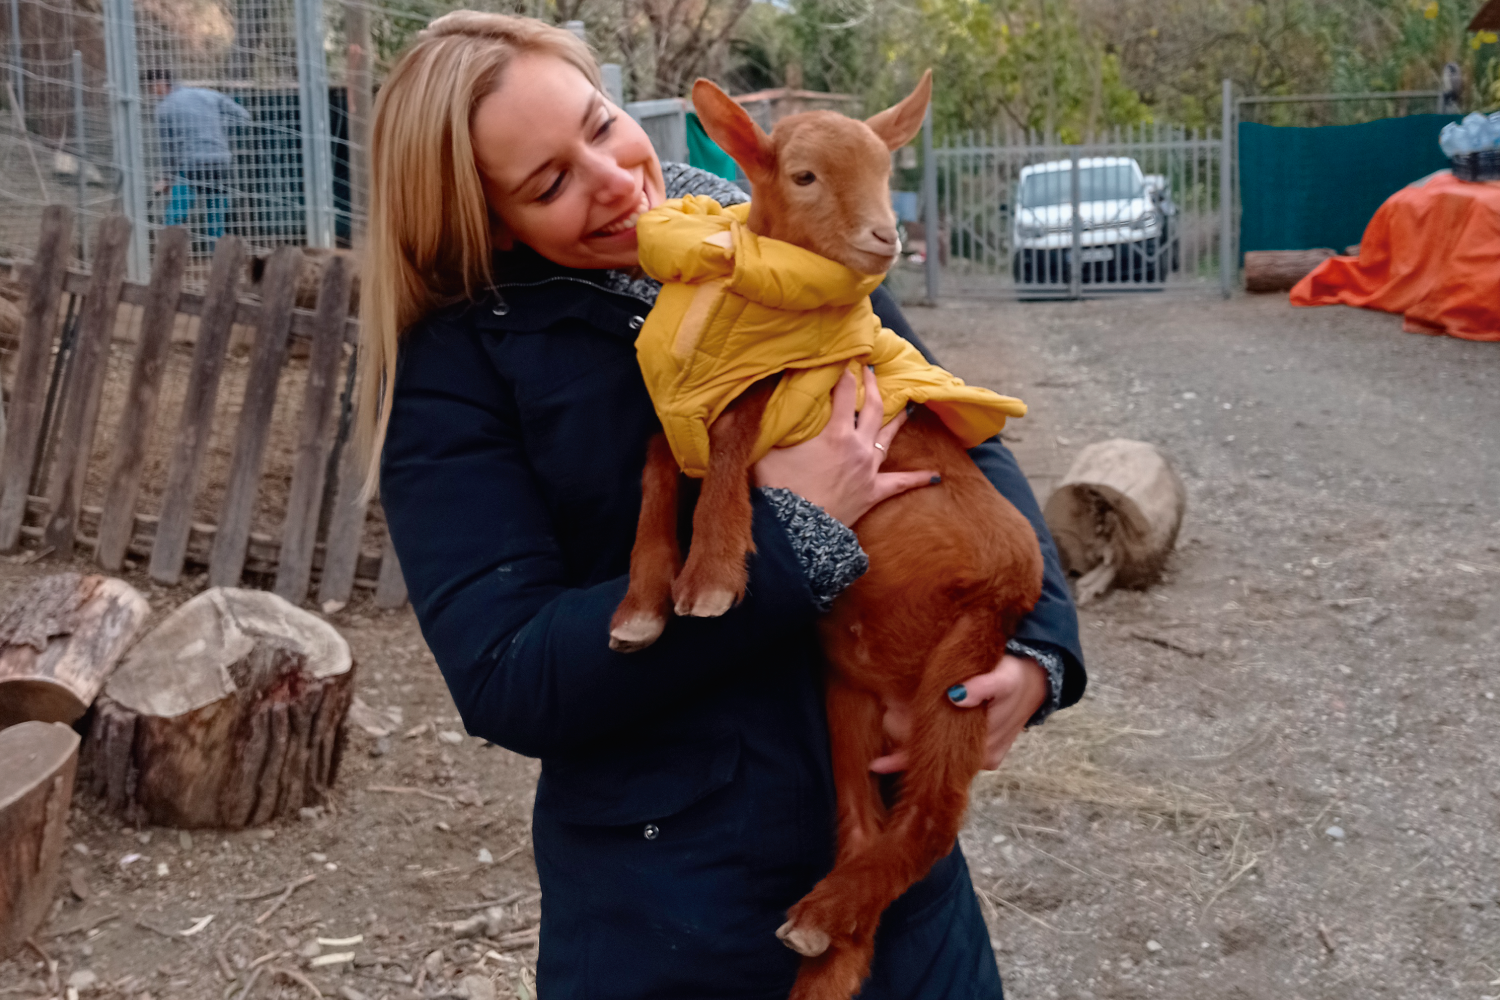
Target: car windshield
1103,183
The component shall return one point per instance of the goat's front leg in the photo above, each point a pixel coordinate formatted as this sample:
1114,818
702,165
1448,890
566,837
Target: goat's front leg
655,559
714,579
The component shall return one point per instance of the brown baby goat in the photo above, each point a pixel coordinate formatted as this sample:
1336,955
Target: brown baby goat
953,567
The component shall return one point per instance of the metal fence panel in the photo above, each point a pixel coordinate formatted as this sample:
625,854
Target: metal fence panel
1137,209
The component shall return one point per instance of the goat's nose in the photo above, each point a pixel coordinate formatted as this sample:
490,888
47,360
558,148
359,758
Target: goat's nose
886,234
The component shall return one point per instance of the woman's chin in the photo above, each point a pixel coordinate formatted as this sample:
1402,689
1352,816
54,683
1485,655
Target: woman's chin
615,250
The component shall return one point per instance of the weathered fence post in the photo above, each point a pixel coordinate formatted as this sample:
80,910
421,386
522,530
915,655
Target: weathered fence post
219,302
278,298
28,393
117,522
299,530
85,383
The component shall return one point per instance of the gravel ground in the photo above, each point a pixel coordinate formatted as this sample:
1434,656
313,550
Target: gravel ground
1329,712
1282,783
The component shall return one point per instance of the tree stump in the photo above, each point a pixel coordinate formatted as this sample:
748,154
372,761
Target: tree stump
228,714
36,787
1115,516
1279,270
60,640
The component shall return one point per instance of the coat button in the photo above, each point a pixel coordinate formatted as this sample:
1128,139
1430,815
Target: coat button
652,831
636,322
502,307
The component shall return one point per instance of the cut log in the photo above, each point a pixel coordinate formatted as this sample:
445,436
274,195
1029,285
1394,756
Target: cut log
1279,270
36,788
1115,516
59,642
228,714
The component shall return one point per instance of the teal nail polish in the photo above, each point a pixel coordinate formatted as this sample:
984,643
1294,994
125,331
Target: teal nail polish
935,480
957,693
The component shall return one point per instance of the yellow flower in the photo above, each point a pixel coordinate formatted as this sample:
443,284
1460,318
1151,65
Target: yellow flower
1489,37
1474,43
1431,10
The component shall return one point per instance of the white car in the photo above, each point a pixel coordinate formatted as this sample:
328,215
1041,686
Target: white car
1124,213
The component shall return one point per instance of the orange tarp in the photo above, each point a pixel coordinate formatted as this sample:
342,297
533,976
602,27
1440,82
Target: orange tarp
1432,252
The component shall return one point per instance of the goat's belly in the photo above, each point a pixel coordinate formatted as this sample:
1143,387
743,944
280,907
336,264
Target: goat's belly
935,553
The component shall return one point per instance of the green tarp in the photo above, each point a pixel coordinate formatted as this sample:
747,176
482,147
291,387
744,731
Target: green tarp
702,152
1303,188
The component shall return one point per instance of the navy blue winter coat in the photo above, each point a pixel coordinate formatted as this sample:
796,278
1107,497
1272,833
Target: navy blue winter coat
686,798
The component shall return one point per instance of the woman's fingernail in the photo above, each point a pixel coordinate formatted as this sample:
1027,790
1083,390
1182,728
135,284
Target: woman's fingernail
957,693
935,480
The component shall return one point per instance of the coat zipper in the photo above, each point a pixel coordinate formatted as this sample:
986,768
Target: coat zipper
504,307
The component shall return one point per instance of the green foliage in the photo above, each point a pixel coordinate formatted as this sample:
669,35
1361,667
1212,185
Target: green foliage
1074,66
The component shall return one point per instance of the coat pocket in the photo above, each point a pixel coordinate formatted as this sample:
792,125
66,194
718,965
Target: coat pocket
616,788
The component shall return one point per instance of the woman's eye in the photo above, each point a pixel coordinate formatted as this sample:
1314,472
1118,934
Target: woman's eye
804,178
604,129
551,192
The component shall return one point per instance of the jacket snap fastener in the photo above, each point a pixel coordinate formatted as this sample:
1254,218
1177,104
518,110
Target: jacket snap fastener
636,322
652,831
502,308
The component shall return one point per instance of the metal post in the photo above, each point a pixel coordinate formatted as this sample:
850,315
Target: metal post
578,29
312,96
1227,266
17,74
1075,198
930,208
614,83
125,126
357,77
80,149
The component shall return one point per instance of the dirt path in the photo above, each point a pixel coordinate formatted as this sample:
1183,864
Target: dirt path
1319,657
1316,811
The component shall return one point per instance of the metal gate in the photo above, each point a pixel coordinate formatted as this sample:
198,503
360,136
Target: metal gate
1137,210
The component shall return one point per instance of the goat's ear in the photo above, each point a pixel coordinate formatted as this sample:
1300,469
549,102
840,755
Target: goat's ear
734,130
898,125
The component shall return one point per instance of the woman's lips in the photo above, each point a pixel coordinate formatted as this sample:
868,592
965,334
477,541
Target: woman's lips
628,221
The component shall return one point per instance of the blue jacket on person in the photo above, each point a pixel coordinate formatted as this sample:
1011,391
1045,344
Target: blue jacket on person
686,798
190,123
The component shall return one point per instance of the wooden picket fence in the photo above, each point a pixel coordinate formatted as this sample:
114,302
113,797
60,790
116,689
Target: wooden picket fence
320,529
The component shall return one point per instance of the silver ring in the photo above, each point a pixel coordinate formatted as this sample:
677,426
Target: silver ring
880,446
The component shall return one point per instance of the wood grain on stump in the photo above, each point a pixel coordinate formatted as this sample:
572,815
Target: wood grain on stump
59,641
36,788
1115,516
228,714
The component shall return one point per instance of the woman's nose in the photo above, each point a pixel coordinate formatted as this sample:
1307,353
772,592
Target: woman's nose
615,182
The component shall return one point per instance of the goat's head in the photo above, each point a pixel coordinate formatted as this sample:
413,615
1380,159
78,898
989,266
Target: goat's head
819,180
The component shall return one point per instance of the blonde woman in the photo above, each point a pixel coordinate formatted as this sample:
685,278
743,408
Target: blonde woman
686,798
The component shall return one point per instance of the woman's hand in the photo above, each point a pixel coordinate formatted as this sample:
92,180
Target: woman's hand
839,470
1011,694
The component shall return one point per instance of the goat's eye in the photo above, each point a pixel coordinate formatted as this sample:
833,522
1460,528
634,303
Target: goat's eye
804,178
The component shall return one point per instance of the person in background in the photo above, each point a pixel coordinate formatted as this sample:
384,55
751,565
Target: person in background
192,125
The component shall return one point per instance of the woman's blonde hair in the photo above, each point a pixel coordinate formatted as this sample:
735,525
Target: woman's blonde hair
429,234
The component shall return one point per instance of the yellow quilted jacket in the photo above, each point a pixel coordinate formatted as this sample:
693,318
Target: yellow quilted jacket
736,307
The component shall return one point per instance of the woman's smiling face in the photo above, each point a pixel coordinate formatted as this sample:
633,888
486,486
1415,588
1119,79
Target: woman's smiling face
566,172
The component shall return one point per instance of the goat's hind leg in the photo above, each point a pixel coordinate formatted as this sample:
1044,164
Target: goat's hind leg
655,559
835,965
714,579
946,748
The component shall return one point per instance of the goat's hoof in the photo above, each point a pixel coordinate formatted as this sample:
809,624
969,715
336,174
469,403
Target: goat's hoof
636,633
806,941
709,604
